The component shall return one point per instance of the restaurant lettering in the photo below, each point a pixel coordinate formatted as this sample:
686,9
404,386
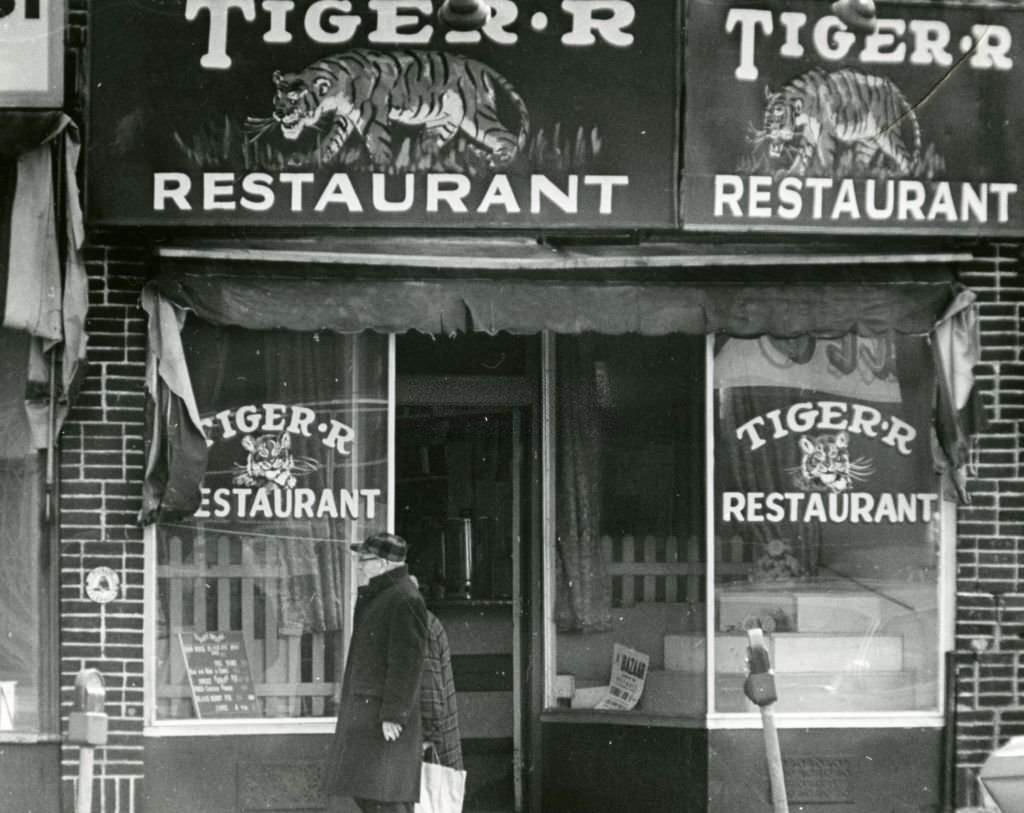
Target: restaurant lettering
848,200
296,503
398,22
857,507
437,193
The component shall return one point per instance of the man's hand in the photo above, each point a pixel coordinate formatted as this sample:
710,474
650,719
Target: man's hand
391,731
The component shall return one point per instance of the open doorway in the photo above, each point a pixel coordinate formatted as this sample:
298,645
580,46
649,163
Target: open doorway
466,496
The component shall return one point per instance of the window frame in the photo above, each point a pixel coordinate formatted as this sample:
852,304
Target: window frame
155,727
712,719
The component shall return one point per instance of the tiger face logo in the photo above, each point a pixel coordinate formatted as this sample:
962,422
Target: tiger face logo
270,463
783,122
826,464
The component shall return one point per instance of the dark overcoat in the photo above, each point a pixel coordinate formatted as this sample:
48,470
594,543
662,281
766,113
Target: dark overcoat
381,684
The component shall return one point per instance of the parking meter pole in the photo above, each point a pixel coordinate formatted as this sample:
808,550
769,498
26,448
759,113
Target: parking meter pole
774,754
760,690
86,756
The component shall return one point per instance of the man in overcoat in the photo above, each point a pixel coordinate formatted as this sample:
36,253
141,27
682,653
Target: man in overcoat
377,748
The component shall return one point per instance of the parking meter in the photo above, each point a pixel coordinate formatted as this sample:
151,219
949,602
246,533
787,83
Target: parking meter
87,724
759,687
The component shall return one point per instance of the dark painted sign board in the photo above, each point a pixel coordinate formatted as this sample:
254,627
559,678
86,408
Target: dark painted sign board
219,674
347,113
795,122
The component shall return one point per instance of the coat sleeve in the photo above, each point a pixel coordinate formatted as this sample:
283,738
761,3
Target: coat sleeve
407,644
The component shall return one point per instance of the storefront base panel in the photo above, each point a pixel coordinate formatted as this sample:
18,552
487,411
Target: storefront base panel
282,773
828,770
29,778
592,767
235,774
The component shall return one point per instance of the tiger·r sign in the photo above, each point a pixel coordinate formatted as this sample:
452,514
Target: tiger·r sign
794,122
31,53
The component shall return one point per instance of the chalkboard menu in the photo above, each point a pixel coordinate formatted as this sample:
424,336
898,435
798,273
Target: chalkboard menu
219,674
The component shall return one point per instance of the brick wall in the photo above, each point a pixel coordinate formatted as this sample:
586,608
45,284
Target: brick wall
990,553
101,466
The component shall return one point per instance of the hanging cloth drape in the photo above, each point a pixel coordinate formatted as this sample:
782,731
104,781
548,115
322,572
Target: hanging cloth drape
43,285
959,415
584,594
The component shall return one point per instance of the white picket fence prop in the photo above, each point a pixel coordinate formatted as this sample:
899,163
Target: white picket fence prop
666,569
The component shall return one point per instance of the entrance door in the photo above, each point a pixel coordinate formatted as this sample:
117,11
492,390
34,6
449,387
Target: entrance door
463,501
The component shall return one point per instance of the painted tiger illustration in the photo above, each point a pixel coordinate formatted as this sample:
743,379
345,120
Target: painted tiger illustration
366,92
826,464
817,114
270,463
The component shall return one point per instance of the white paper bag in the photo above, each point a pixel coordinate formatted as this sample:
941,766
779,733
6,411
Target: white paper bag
442,790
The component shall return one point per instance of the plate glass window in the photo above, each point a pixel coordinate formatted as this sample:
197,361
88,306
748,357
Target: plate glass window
24,592
827,531
629,516
254,591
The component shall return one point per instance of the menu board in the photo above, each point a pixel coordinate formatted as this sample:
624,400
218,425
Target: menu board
219,674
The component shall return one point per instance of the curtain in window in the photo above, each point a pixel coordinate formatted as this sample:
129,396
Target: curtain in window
584,594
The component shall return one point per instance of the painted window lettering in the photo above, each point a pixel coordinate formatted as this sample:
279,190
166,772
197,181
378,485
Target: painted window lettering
857,507
828,416
830,482
396,22
895,41
266,480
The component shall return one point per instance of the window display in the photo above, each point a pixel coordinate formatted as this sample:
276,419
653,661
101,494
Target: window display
630,484
254,590
826,522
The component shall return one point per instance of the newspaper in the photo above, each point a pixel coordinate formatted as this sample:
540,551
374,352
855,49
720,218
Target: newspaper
629,675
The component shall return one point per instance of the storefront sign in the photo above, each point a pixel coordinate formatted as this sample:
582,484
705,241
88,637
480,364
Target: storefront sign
794,122
371,113
219,674
269,480
32,53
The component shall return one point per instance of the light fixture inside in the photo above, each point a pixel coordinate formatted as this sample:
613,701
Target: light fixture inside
464,15
859,15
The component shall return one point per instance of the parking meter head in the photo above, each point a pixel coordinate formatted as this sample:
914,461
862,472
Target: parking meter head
87,723
90,691
759,687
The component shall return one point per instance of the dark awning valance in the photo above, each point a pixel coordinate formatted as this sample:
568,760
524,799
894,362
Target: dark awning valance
613,292
819,302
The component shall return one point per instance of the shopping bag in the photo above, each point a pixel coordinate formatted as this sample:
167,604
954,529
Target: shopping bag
442,789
